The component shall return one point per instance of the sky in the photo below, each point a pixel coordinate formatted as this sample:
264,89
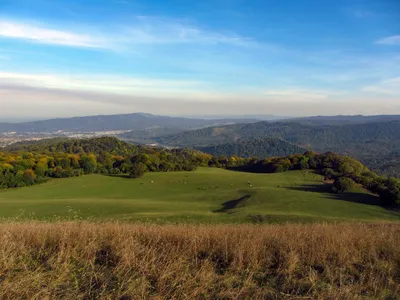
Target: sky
210,57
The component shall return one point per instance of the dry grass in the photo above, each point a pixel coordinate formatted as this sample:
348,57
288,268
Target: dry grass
125,261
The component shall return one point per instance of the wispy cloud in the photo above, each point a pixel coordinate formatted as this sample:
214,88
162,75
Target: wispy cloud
160,30
143,30
298,94
102,84
390,87
46,35
360,12
186,90
390,40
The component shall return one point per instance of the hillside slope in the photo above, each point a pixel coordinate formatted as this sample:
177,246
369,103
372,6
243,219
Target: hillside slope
205,195
382,135
263,147
375,144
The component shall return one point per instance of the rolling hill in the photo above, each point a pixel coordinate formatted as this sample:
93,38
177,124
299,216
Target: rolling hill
206,195
263,147
376,144
320,138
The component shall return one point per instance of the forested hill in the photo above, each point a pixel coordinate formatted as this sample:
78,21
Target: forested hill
376,144
76,146
136,121
263,147
376,138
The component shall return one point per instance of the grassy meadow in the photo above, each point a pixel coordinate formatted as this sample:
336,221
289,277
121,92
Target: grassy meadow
208,195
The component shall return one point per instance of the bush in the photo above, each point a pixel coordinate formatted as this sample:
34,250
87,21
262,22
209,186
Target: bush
390,192
343,185
137,170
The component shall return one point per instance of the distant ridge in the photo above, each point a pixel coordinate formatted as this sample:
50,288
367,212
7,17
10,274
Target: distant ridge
342,119
134,121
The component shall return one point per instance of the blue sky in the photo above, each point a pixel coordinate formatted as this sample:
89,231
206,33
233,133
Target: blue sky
309,57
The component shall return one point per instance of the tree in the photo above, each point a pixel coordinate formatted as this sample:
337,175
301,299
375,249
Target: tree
29,177
137,170
343,185
40,169
89,163
390,192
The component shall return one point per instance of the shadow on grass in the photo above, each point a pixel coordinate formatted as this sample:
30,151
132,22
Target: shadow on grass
228,206
125,176
326,189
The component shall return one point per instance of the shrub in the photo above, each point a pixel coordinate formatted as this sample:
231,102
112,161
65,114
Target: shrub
343,185
137,170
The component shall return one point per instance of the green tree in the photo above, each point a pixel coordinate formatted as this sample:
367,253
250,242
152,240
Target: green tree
137,170
343,185
390,194
29,177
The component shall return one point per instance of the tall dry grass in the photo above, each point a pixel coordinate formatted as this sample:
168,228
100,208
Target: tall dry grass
122,261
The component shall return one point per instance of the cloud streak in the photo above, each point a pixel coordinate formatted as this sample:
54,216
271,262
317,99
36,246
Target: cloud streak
40,34
118,85
390,40
142,31
390,87
48,103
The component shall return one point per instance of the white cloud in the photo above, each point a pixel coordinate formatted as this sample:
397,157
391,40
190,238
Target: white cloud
143,30
390,40
40,34
189,90
103,84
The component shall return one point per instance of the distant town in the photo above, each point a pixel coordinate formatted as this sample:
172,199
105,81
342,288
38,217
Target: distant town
9,138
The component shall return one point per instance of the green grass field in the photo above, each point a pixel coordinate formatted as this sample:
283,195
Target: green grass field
207,195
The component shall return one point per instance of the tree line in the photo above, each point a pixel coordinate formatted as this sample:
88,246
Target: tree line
344,172
24,167
30,164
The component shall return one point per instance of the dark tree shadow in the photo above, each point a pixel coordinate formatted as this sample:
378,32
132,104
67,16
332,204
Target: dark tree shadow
228,206
326,189
124,176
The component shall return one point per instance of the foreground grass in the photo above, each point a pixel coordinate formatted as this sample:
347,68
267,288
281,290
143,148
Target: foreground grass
127,261
208,195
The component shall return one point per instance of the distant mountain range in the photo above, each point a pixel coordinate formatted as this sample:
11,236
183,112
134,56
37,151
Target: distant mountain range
135,121
145,126
343,120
